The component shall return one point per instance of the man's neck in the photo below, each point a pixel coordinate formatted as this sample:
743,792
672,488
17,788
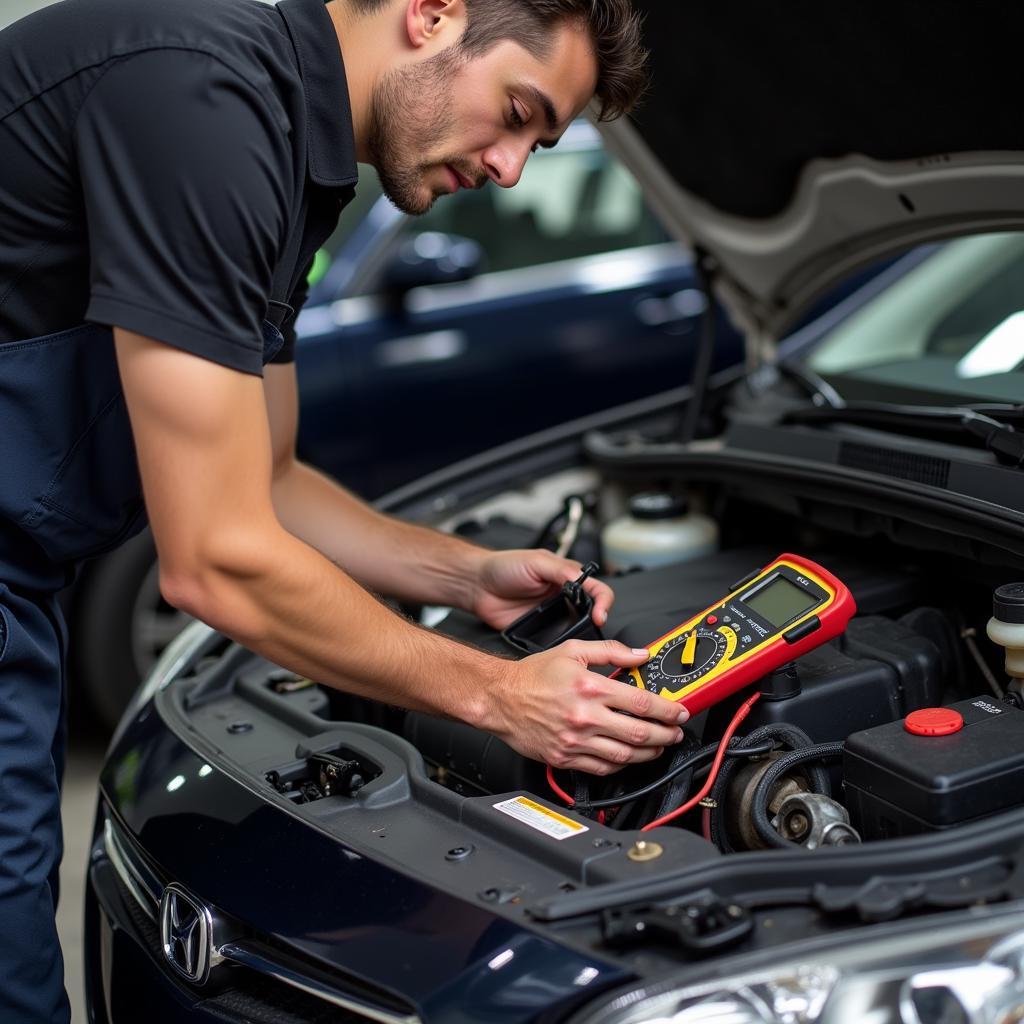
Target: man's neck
363,50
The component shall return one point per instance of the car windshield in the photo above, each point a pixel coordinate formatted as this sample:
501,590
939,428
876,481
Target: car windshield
949,330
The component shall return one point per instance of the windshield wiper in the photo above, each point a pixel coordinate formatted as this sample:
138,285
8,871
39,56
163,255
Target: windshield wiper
991,426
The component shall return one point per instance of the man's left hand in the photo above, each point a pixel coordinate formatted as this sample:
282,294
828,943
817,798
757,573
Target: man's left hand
510,583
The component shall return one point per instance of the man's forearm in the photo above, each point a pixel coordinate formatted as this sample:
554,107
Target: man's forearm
208,469
407,562
286,601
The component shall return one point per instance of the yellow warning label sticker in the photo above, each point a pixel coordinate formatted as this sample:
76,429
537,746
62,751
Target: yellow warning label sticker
542,818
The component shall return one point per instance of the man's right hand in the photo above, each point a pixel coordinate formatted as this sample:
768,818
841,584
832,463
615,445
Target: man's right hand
552,708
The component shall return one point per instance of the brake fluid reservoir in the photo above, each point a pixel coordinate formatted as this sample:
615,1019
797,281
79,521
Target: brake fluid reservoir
1006,627
659,529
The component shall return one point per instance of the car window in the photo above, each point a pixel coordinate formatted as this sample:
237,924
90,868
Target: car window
953,323
569,204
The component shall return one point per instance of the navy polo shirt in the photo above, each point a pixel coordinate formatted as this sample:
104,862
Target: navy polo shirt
155,157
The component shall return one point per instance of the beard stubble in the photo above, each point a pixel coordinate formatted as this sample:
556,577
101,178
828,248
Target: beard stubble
411,113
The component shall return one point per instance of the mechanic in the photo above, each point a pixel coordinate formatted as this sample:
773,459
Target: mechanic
169,169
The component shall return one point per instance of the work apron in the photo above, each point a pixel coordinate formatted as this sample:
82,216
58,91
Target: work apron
69,490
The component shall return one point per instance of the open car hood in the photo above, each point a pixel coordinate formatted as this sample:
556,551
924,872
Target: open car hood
796,141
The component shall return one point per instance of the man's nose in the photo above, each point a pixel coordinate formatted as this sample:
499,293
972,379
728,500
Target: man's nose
504,164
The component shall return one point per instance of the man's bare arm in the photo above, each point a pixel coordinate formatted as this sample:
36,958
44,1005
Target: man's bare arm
204,447
387,555
391,557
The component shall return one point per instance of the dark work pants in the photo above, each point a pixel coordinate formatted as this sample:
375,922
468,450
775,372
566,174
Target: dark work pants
31,766
69,489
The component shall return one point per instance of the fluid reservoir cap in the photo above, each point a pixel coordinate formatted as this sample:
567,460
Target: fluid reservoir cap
660,505
933,722
1008,602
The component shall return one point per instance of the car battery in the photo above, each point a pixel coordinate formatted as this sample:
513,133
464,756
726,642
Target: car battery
935,769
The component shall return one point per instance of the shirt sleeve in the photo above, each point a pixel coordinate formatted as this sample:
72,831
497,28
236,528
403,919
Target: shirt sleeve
297,301
186,176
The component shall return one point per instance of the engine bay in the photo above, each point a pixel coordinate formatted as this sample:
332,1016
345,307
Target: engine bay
838,751
788,777
825,755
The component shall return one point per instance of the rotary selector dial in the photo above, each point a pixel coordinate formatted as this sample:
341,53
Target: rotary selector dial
686,658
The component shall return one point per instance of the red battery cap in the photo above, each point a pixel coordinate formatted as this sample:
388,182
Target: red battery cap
933,722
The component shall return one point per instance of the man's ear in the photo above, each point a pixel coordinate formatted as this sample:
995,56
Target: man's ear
436,24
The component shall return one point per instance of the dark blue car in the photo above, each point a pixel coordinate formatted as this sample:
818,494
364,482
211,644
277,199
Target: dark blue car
499,313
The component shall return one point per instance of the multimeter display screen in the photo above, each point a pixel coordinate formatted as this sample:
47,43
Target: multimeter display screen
779,601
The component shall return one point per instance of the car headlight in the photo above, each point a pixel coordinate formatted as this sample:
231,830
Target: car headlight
970,972
184,650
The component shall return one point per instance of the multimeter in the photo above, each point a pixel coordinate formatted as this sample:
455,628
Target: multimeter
770,617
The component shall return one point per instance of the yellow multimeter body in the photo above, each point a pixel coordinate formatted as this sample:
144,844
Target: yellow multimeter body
770,617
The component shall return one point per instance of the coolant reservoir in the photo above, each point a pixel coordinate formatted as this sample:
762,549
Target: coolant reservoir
1006,627
659,529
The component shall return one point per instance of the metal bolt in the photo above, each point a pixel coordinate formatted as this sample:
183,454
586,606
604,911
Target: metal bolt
459,852
797,824
642,850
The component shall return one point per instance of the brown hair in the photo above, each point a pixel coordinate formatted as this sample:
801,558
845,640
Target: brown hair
613,27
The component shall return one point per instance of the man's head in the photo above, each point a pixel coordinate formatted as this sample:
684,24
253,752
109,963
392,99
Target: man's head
472,87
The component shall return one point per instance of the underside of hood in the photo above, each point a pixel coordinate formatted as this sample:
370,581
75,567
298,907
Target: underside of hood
795,141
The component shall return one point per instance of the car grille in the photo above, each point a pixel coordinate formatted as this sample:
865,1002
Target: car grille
265,983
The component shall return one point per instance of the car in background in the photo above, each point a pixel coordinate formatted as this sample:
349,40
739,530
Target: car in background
424,340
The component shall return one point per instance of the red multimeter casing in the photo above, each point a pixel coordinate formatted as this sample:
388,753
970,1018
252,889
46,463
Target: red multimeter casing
769,618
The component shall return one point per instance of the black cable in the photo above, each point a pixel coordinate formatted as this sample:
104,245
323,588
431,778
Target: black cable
696,758
762,794
678,788
705,267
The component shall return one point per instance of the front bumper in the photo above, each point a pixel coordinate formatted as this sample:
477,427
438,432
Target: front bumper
305,927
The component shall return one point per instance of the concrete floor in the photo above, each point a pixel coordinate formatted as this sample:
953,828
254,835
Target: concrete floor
78,806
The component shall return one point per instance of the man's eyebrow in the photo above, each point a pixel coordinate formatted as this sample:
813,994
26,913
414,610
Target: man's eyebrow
544,102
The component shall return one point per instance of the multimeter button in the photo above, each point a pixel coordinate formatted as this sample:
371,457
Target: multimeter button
711,620
746,579
933,722
806,628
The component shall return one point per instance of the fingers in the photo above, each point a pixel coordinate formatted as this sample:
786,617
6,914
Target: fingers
604,652
643,704
603,597
557,710
638,732
590,765
610,758
562,570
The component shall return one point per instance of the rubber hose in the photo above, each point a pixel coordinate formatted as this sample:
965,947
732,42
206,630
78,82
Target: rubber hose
789,735
759,804
581,794
678,789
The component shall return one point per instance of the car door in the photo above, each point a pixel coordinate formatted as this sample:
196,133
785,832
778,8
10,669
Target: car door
572,300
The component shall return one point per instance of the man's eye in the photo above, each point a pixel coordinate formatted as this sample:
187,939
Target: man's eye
516,118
